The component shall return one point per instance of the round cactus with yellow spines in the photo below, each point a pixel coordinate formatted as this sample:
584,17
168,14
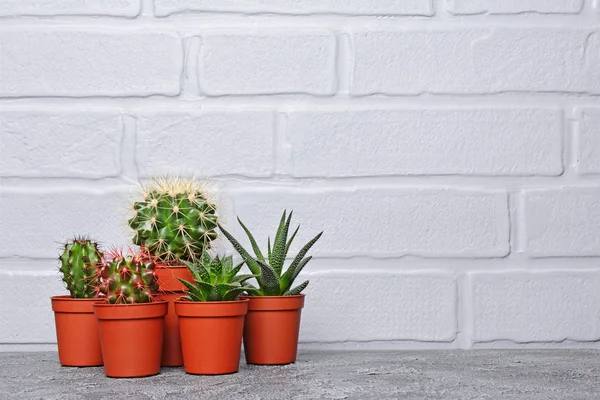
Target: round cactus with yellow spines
175,221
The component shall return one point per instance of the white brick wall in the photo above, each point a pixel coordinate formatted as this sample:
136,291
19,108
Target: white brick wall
27,321
55,215
125,8
450,150
527,307
589,139
515,6
350,7
435,223
423,311
37,144
79,63
248,63
562,222
491,60
234,142
516,142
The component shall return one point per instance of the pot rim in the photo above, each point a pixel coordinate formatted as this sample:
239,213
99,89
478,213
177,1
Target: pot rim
69,305
211,309
107,311
273,297
275,303
151,303
211,302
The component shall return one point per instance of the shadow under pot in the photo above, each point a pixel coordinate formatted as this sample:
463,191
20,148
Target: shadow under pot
271,329
211,335
131,336
76,331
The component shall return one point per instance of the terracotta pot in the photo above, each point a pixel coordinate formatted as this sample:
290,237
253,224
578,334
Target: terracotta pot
211,335
131,336
76,331
271,329
171,289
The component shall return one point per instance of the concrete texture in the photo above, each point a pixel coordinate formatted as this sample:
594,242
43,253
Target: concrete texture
541,374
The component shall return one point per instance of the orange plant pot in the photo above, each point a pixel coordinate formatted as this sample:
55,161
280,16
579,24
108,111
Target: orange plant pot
211,335
76,331
170,290
131,336
271,329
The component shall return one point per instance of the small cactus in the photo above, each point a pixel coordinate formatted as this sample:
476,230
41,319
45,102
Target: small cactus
215,279
273,281
80,264
175,220
128,279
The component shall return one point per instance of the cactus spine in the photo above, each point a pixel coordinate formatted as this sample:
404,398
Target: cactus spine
128,279
175,220
80,263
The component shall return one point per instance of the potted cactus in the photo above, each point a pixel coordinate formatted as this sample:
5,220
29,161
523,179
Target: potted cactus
273,321
76,327
211,317
131,320
175,221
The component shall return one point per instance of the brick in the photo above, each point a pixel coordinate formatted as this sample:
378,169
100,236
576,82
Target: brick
30,320
356,7
535,307
515,6
476,61
563,222
35,222
381,222
59,144
589,142
209,143
121,8
255,63
411,307
47,62
414,142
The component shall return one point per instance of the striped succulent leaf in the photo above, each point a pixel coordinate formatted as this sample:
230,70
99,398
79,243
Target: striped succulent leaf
269,272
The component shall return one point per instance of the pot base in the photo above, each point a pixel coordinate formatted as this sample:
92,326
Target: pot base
131,337
129,377
76,332
272,328
211,336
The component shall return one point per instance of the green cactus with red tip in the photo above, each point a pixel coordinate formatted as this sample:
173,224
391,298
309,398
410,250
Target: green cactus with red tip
175,220
80,264
128,279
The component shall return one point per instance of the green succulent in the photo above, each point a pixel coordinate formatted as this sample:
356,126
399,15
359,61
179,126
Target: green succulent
272,280
215,279
175,220
80,265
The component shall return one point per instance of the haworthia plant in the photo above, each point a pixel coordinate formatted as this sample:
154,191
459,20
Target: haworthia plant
215,279
272,279
80,265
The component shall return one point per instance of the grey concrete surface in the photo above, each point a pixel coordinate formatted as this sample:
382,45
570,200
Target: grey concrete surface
479,374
